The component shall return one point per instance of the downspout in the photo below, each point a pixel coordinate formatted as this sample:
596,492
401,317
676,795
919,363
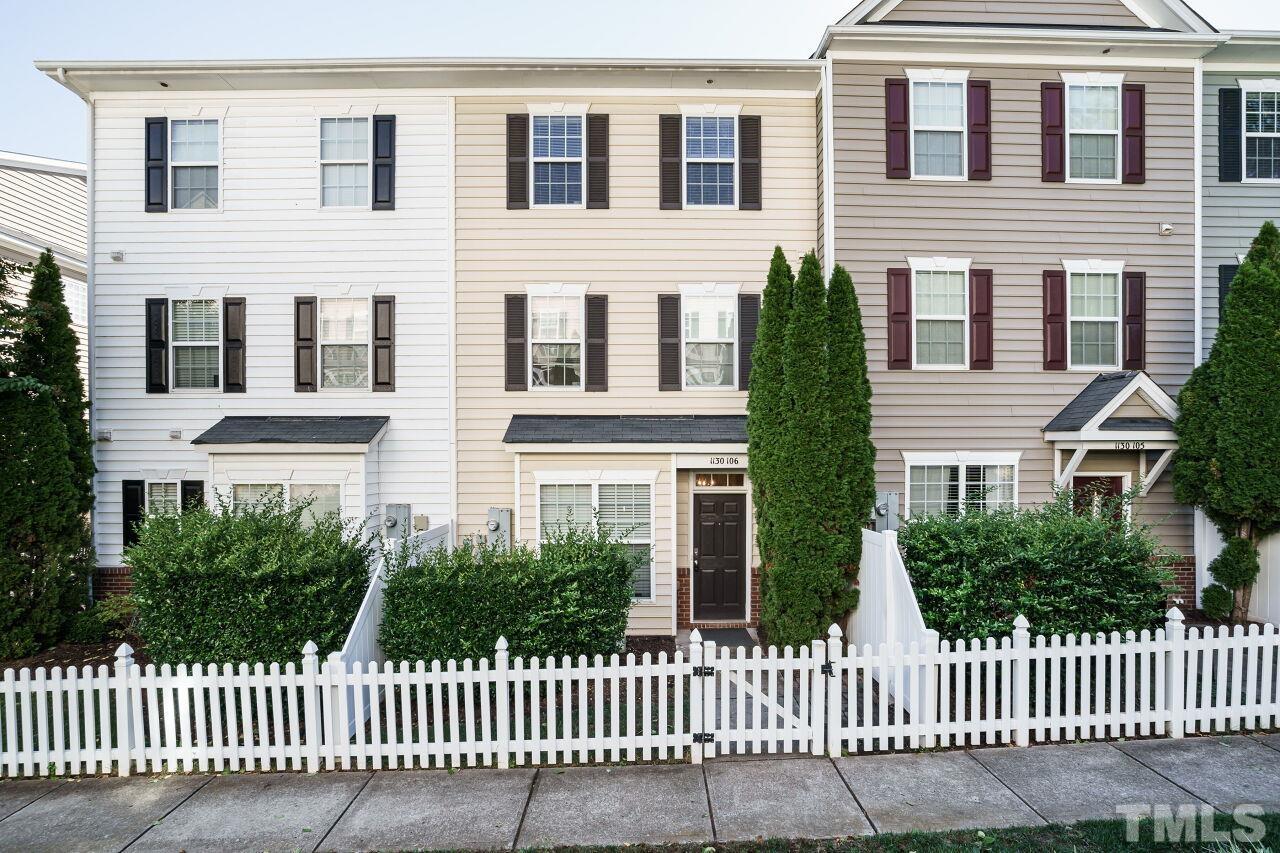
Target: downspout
828,172
91,310
1198,125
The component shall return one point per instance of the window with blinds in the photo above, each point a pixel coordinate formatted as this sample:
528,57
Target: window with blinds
195,336
953,489
162,497
626,509
322,499
244,495
562,505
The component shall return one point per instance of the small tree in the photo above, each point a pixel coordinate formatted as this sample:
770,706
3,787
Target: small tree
13,320
1229,414
48,352
768,406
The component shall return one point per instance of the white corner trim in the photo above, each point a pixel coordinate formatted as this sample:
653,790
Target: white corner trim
721,110
557,109
940,264
1271,84
1092,265
1092,78
556,288
595,475
961,457
710,288
937,75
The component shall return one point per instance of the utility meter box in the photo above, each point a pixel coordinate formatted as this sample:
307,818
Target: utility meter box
498,528
395,523
886,511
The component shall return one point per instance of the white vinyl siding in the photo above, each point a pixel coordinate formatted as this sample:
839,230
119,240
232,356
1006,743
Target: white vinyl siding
555,341
1093,132
953,489
710,333
193,158
344,162
1094,308
196,334
344,343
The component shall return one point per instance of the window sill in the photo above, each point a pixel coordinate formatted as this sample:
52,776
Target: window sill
1095,181
944,179
1094,368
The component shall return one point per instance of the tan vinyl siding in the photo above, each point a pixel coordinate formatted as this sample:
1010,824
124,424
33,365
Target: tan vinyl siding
1110,13
1017,226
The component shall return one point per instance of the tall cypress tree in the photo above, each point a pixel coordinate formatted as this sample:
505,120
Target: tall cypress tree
768,407
852,454
47,352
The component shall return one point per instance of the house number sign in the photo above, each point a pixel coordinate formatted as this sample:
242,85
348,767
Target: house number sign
1131,445
724,460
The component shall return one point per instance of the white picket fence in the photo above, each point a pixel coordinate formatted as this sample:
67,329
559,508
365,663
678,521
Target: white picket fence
819,699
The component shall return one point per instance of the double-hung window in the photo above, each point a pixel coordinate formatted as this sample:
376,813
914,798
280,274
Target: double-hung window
1094,306
344,343
247,495
1262,131
710,333
344,162
557,160
710,160
555,341
1093,127
625,508
195,344
941,300
193,159
953,483
938,124
323,499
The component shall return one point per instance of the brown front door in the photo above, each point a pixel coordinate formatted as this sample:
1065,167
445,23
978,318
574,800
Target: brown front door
1090,492
719,556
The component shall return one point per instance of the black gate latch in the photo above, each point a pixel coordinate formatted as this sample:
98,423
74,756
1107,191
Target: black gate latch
704,737
704,670
828,669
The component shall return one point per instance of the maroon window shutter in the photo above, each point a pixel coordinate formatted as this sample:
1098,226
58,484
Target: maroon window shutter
1133,139
517,341
749,147
1055,319
1053,132
981,330
899,319
670,129
597,343
979,130
669,342
233,335
597,161
157,351
384,343
518,161
1135,320
306,348
897,128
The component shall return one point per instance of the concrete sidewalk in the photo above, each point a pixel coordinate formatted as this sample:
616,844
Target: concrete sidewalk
723,800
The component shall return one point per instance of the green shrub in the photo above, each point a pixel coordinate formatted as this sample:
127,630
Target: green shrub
250,585
1066,573
1216,601
1237,565
87,626
572,597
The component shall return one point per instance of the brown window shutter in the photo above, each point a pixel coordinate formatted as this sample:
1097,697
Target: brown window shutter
597,161
156,167
1135,320
981,328
233,334
597,343
133,499
192,494
157,357
1133,138
669,342
670,129
897,128
899,319
1053,133
748,321
518,161
306,345
979,96
1230,136
1054,300
749,150
517,338
384,343
384,162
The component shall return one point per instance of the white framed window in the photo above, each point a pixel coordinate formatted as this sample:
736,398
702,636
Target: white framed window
193,163
77,295
1094,308
1093,127
955,482
244,495
940,313
344,343
555,339
1261,129
939,122
196,344
557,161
710,328
162,496
710,160
344,162
325,499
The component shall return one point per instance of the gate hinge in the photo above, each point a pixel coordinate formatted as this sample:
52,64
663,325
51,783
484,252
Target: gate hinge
704,670
828,669
704,737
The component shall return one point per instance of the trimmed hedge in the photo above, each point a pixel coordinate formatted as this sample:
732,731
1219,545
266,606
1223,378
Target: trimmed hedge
572,597
1066,573
250,585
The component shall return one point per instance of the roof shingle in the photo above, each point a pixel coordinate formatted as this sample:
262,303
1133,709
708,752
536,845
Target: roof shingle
290,429
603,429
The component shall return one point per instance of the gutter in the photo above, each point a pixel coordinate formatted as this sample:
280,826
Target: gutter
1047,37
61,69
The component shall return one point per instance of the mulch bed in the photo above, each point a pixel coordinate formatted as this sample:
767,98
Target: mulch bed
652,645
78,655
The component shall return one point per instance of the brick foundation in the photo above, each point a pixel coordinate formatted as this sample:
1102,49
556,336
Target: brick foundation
684,603
1184,577
112,580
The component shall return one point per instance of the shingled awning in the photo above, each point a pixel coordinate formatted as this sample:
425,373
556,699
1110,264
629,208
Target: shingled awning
626,429
293,429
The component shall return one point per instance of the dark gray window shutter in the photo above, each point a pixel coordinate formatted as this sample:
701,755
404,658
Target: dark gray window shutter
670,129
156,168
1135,321
517,338
518,161
384,162
748,320
1230,136
597,343
749,150
233,323
306,343
192,494
669,342
133,499
157,357
1226,274
597,161
384,343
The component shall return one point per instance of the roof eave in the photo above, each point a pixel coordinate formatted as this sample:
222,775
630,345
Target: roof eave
1198,44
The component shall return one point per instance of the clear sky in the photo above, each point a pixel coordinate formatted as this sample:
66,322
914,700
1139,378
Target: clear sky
39,117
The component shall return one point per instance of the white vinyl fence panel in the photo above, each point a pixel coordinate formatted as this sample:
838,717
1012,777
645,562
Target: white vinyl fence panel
1265,604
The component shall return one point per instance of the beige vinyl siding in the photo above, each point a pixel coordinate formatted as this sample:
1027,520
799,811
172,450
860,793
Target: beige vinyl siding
630,252
1110,13
1017,226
